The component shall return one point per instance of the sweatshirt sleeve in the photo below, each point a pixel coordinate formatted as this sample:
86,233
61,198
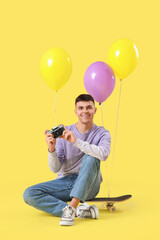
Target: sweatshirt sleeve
101,151
56,158
53,161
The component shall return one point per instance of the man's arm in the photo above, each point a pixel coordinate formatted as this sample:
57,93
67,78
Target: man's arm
54,162
55,152
101,151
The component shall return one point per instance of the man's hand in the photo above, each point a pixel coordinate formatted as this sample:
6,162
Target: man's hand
68,135
51,141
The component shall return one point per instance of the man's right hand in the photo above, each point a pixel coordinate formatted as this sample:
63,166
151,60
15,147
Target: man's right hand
51,141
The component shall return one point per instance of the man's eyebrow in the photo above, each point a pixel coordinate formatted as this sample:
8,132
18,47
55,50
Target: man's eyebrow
86,106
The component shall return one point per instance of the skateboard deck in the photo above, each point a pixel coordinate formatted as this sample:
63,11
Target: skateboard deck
109,202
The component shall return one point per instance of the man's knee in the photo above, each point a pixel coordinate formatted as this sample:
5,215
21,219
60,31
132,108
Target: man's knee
28,196
91,161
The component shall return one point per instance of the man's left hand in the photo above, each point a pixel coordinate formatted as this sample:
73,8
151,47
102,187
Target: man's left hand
68,135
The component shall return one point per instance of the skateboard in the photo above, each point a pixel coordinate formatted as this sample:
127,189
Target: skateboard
110,201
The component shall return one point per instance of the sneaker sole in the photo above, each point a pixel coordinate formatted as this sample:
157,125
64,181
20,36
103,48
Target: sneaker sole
65,223
96,212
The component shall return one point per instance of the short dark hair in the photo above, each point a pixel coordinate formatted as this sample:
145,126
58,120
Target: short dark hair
84,97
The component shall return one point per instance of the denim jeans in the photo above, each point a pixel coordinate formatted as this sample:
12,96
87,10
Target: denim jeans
52,196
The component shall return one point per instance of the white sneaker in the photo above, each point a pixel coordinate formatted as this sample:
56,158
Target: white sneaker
68,217
87,211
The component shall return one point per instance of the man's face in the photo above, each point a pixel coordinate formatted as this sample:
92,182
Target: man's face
85,111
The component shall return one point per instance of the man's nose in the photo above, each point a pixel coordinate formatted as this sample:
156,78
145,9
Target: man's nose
86,112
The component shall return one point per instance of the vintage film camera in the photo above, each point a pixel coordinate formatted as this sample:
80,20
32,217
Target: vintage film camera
57,131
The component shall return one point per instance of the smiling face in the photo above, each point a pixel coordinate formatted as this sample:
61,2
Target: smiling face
85,111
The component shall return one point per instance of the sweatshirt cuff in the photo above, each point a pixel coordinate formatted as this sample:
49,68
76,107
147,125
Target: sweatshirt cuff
52,153
78,142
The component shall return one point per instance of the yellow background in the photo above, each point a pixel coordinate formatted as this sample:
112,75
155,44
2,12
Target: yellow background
86,30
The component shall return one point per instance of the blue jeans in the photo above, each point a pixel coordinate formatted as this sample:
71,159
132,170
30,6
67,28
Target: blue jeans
52,196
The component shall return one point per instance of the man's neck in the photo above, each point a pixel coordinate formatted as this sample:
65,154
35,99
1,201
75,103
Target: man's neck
84,128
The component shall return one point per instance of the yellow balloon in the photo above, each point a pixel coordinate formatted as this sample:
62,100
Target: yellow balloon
55,67
123,57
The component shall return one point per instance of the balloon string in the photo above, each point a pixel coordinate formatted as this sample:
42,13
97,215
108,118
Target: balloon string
109,189
102,114
55,110
105,161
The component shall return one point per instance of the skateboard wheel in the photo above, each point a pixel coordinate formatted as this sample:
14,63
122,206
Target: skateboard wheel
112,209
108,205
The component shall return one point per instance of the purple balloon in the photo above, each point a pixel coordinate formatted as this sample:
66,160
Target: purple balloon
99,81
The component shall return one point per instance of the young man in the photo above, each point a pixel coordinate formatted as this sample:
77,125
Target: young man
75,157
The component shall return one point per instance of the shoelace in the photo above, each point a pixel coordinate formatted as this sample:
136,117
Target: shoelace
67,212
83,213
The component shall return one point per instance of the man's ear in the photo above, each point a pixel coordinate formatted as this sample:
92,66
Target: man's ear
95,110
